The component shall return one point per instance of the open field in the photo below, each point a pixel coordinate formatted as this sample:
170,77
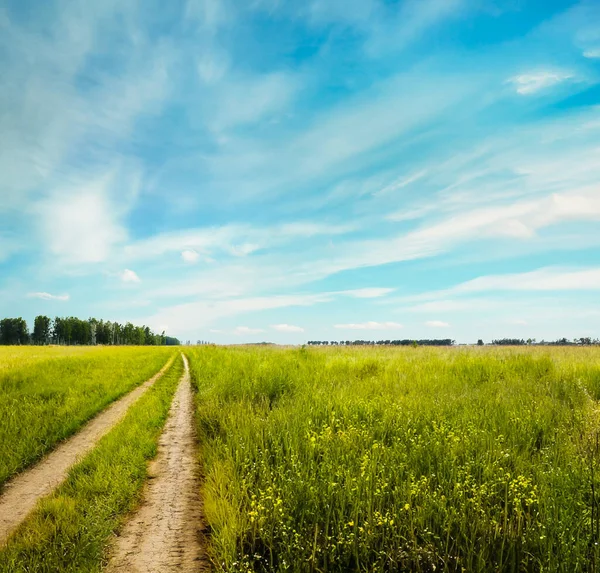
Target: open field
400,459
324,459
71,529
46,394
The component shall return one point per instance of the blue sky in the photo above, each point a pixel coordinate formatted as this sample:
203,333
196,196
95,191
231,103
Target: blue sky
300,170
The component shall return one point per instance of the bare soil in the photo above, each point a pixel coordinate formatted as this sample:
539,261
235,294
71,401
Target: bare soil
165,533
21,494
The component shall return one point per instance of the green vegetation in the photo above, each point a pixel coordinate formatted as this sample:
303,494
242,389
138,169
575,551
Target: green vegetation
75,331
69,531
46,394
405,459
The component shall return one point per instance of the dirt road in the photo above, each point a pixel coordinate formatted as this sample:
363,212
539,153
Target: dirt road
165,533
23,492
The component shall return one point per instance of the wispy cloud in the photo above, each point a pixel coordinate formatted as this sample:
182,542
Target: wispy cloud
547,279
81,224
371,325
242,330
287,328
533,82
367,292
48,296
437,324
190,256
129,276
592,54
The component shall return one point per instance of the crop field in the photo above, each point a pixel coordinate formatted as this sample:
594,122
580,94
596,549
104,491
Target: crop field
310,459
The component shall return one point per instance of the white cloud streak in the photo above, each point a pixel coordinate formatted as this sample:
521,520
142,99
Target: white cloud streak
437,324
371,325
48,296
244,330
190,256
533,82
287,328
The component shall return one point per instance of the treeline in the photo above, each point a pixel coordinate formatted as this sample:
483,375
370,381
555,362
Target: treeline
584,341
75,331
405,342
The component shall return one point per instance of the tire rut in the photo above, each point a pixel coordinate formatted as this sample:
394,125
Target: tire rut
165,533
21,494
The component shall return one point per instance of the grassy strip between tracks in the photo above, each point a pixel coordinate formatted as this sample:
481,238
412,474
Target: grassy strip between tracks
69,530
47,394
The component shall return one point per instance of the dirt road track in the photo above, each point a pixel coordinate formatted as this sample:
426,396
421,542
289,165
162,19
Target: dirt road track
165,533
23,492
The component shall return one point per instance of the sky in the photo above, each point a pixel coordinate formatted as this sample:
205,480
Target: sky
285,171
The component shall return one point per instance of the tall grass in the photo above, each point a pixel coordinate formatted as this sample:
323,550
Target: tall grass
69,531
400,459
47,394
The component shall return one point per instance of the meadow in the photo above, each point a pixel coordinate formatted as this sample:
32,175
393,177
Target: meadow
412,459
331,459
48,393
70,530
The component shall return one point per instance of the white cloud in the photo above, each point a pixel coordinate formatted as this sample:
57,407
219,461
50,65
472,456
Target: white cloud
241,330
216,331
48,296
547,279
367,292
287,328
128,276
369,326
80,225
190,256
592,54
528,84
233,240
437,324
190,317
400,183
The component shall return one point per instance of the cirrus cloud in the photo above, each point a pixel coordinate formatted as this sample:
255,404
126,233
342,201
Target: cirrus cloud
437,324
241,330
370,325
287,328
48,296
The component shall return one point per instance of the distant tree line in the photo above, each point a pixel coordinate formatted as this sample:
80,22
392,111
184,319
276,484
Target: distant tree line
584,341
75,331
405,342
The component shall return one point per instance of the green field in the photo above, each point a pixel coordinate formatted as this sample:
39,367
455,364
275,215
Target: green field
326,459
70,530
46,394
400,459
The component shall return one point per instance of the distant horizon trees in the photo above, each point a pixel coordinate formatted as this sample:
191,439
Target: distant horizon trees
75,331
404,342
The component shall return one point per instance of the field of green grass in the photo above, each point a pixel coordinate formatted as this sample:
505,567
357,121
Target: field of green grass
325,459
368,459
47,394
70,530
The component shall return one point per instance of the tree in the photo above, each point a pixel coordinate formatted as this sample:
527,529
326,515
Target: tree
480,342
41,330
13,331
